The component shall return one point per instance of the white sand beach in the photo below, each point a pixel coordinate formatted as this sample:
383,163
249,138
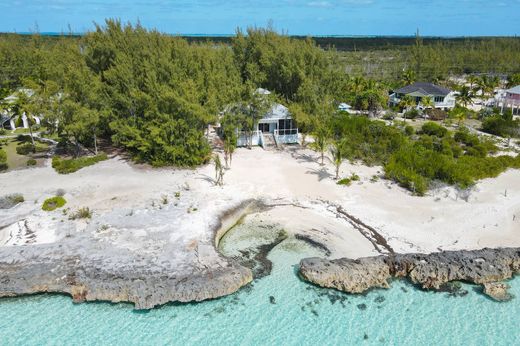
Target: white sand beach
186,205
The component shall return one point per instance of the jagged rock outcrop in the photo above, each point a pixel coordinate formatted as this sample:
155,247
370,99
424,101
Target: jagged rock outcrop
497,291
431,271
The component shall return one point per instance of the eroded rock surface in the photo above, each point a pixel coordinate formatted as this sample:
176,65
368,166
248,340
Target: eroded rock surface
431,271
498,291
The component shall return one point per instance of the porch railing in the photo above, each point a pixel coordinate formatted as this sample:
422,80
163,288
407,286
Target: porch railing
285,136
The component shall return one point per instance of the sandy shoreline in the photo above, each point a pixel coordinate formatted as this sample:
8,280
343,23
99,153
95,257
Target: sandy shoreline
162,222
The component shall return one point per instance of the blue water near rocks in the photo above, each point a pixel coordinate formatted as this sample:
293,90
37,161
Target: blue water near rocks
277,309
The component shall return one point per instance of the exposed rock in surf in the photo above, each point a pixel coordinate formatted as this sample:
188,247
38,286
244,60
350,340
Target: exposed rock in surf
431,271
498,291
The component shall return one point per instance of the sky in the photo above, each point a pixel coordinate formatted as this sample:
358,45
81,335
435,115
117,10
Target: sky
295,17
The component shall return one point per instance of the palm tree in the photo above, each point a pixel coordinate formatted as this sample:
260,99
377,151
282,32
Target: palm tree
465,96
408,77
472,80
405,103
321,135
427,102
219,170
337,155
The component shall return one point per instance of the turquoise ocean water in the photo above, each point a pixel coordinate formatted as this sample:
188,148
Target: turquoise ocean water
277,309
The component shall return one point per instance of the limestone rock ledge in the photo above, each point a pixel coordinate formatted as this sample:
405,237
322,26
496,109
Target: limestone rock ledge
113,276
431,271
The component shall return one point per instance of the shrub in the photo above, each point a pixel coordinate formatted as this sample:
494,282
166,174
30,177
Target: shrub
412,114
53,203
2,131
434,129
349,180
72,165
3,160
502,126
82,213
408,130
9,201
31,162
27,148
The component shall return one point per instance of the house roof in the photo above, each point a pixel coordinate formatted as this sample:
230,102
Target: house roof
424,89
515,90
278,111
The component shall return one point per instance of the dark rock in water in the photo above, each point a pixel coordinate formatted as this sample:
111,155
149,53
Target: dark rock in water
498,291
404,290
379,299
454,289
365,337
272,300
430,271
362,306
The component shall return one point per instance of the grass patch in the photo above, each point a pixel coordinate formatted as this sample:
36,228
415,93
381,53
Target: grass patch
349,180
66,166
82,213
9,201
53,203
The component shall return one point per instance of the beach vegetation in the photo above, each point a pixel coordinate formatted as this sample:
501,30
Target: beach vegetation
81,213
3,160
66,166
53,203
9,201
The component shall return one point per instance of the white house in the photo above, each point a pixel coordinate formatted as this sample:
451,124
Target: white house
274,128
442,98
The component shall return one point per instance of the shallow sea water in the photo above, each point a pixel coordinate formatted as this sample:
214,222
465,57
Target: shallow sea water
277,309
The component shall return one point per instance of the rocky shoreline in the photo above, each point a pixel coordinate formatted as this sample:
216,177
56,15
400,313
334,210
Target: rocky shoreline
485,267
92,269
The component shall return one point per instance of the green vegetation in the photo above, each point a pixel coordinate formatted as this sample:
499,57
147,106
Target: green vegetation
415,161
3,160
502,125
349,180
28,148
9,201
82,213
31,162
53,203
66,166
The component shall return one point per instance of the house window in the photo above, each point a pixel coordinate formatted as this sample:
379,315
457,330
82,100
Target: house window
439,99
263,127
286,127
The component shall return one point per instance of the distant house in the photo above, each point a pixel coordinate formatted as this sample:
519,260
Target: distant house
511,99
8,119
344,107
442,98
274,128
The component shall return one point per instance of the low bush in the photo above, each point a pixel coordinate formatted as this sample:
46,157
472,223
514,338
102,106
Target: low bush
349,180
27,148
31,162
3,160
502,126
82,213
66,166
53,203
434,129
412,114
2,131
9,201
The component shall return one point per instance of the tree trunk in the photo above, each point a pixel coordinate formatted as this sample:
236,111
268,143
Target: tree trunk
322,156
32,137
337,171
95,144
